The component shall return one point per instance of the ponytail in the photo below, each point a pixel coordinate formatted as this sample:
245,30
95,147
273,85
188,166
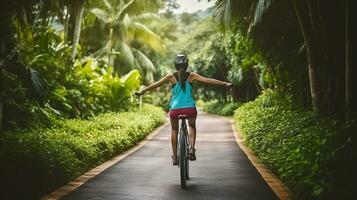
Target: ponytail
181,65
181,76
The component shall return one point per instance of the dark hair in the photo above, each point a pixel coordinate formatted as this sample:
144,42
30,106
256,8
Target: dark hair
181,65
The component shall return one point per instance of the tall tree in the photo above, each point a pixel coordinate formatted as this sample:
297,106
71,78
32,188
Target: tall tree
311,51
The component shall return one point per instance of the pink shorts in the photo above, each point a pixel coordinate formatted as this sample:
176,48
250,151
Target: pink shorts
190,112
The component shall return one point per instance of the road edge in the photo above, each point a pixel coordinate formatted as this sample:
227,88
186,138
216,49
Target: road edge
72,185
279,188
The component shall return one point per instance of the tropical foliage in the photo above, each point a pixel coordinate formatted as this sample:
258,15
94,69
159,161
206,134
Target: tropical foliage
123,30
304,40
312,155
40,59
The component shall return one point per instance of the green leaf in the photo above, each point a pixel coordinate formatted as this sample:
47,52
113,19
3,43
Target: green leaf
101,14
131,81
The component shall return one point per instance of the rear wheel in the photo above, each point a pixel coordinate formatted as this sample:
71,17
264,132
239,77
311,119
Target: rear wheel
187,158
187,169
182,160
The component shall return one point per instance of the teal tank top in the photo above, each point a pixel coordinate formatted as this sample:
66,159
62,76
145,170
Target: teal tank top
181,98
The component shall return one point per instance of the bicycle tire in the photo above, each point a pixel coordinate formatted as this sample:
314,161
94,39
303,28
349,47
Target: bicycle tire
182,160
187,165
187,160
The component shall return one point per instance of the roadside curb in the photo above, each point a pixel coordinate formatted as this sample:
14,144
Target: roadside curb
72,185
273,181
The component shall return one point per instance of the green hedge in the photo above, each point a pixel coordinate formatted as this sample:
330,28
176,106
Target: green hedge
220,108
36,161
311,154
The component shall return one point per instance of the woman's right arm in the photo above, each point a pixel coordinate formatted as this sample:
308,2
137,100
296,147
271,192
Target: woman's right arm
163,80
196,77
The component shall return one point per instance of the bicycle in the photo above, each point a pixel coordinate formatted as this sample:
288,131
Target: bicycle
183,146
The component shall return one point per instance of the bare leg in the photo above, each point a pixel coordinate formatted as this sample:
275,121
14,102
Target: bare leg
192,131
174,132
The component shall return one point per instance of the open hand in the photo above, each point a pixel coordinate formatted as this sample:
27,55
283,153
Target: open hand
229,85
139,93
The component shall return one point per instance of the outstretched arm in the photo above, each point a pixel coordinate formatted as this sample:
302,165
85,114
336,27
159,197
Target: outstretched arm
210,81
156,84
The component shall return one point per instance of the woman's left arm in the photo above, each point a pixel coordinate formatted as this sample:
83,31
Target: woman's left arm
156,84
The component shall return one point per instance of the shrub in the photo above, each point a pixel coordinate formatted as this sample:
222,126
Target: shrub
219,108
312,154
36,161
81,88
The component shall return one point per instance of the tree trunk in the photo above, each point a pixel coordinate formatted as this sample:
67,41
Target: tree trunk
110,47
312,63
1,116
348,84
66,25
77,30
1,97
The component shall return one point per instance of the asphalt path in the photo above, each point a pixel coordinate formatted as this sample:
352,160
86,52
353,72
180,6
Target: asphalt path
221,171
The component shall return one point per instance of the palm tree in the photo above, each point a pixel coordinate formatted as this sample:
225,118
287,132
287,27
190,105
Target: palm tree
77,27
124,29
274,22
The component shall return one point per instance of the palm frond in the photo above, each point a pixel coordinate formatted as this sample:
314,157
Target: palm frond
107,4
126,55
223,12
100,52
101,14
141,33
38,88
146,16
144,63
261,9
146,67
119,15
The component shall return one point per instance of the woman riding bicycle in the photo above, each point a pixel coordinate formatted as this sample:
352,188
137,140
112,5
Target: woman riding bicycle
182,101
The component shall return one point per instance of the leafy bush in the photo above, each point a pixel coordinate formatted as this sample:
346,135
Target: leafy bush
81,88
219,108
313,155
36,161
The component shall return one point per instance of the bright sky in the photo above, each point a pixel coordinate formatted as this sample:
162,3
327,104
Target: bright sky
191,6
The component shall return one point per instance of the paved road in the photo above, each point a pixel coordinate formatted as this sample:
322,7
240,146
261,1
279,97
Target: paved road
222,170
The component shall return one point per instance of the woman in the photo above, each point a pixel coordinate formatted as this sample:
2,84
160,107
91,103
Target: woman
182,102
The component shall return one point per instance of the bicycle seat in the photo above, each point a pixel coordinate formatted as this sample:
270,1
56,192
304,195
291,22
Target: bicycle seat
182,117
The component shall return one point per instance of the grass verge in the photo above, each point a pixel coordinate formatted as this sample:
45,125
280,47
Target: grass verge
36,161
